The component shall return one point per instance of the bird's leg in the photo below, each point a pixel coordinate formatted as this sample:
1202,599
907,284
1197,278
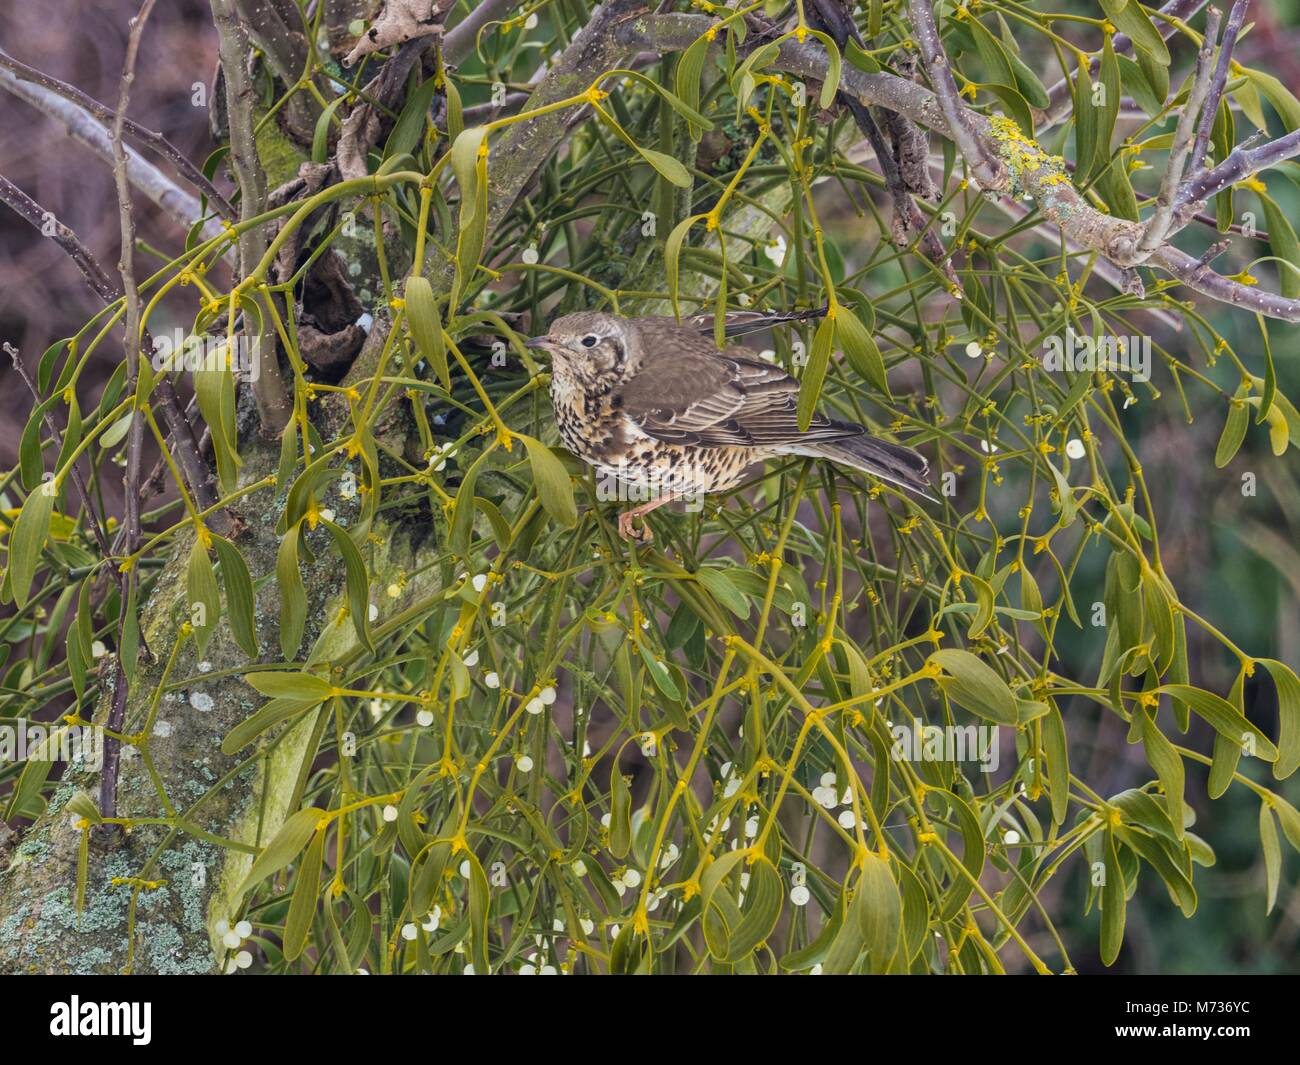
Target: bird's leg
625,520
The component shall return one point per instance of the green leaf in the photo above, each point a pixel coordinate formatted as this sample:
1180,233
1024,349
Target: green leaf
724,591
690,71
302,907
620,813
834,65
462,517
1225,718
1168,764
1109,85
408,130
1272,849
241,603
997,65
732,932
31,462
288,456
82,805
1069,505
1288,816
1031,88
1057,751
1113,902
669,168
973,854
469,163
1282,99
984,605
115,433
1282,238
480,902
1086,122
1288,710
810,383
27,540
293,594
426,329
455,107
688,111
659,673
203,594
860,349
1130,18
358,583
552,482
270,714
287,844
320,135
878,909
1159,612
673,255
282,684
1135,84
214,391
974,685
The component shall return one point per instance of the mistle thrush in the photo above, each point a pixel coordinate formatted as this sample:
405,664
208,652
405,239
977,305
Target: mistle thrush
655,405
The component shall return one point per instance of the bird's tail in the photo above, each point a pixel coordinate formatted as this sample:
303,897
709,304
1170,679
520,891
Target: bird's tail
890,462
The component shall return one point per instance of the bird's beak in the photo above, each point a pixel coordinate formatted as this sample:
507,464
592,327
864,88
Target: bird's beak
539,343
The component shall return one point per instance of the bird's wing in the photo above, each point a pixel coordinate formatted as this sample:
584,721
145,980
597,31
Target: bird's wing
688,392
740,323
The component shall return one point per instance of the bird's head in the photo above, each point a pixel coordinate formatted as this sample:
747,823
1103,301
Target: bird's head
590,345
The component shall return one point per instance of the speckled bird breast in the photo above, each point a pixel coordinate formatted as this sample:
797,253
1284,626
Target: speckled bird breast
593,426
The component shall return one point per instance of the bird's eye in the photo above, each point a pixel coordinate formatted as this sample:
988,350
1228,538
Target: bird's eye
589,341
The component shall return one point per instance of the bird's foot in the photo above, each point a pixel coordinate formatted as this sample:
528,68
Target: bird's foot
629,531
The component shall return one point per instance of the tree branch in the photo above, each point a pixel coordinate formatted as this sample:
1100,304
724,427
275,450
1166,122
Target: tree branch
137,133
82,126
1211,107
135,434
188,452
985,167
1242,163
269,389
1040,175
1160,222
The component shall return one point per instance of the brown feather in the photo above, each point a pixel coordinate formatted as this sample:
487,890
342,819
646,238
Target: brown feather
687,392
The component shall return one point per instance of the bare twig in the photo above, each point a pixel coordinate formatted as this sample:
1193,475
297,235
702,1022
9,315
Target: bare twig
984,164
1242,163
63,236
1211,107
178,425
82,126
1200,278
834,18
137,133
1160,223
135,435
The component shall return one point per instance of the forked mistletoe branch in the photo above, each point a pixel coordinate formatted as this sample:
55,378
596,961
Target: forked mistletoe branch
1170,18
1002,159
